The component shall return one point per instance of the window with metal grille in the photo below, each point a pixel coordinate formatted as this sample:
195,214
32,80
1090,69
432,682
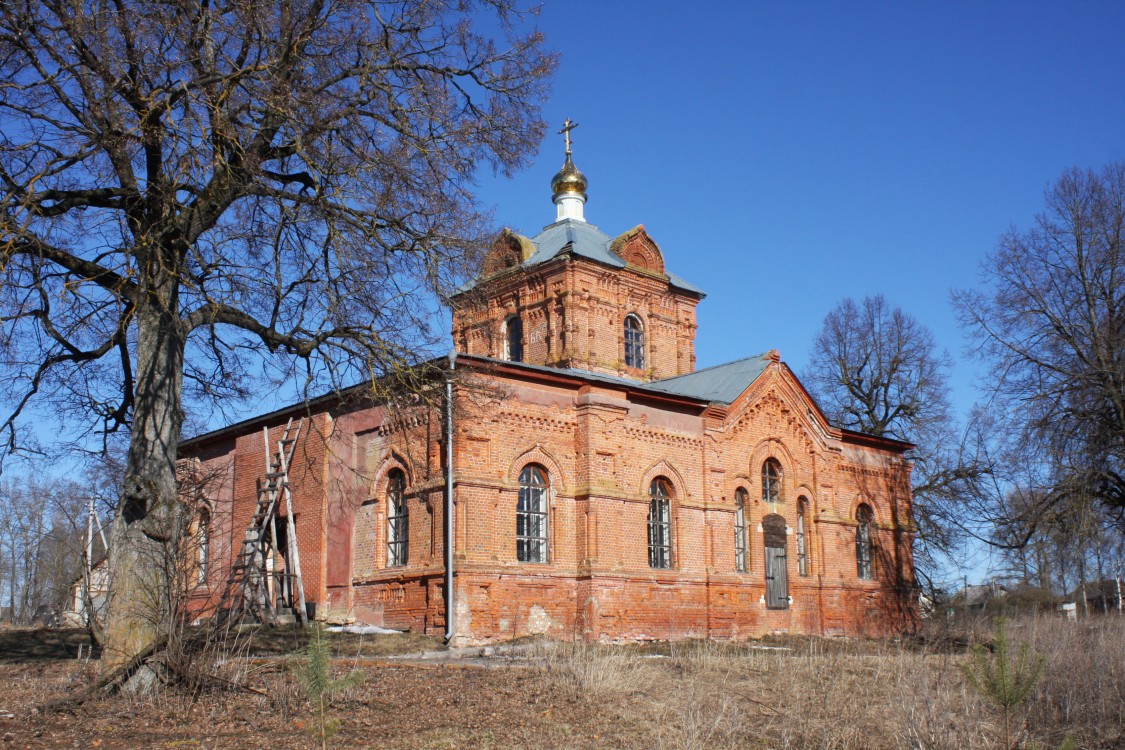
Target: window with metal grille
802,542
740,557
659,524
203,539
531,516
634,342
771,481
863,548
513,342
398,519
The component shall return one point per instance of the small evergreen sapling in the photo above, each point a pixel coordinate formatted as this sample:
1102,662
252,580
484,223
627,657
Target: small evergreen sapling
1004,680
314,672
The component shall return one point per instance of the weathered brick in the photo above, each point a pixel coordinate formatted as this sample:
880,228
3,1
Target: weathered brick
601,443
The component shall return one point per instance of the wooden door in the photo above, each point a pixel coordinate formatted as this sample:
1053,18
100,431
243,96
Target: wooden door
777,573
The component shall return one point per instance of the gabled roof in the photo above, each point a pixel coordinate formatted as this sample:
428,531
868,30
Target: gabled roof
721,383
583,240
718,384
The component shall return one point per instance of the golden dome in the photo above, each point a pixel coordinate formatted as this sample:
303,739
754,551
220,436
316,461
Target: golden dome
569,180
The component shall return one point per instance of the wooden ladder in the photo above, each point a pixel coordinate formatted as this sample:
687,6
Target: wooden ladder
255,588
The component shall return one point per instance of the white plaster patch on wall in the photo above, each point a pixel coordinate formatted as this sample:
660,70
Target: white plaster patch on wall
464,614
538,621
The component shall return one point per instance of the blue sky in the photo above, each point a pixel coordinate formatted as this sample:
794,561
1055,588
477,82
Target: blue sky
786,155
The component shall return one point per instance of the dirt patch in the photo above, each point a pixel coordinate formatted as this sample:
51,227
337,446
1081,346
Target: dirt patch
396,707
277,641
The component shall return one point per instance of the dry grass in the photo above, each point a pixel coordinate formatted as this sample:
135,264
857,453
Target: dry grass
592,670
1083,689
793,693
827,694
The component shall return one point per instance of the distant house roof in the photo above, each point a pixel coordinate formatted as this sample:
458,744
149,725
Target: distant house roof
1108,588
978,595
578,238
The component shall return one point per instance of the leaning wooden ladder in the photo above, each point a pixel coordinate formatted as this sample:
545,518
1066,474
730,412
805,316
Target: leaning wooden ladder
254,587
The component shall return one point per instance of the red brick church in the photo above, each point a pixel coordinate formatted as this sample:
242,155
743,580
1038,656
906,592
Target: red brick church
600,486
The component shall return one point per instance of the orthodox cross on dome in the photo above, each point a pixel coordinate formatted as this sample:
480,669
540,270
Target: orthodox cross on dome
565,132
569,185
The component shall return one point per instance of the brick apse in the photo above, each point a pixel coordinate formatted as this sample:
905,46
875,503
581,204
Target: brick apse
603,487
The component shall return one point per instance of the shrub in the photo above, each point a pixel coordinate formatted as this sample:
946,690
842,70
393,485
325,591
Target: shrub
314,672
1004,680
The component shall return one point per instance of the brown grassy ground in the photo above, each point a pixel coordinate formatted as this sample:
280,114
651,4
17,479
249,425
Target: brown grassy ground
816,694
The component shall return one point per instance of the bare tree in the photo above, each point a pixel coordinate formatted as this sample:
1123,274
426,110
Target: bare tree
40,543
194,193
876,369
1060,545
24,525
1051,321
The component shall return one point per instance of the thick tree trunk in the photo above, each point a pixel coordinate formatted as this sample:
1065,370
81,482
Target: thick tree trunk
150,521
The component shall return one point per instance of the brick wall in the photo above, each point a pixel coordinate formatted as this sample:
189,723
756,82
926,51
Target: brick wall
600,450
573,314
600,446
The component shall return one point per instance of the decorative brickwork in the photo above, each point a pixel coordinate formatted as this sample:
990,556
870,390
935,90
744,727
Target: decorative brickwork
639,250
601,445
599,442
573,310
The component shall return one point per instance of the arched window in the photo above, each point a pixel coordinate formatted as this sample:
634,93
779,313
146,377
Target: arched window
531,516
740,557
864,561
398,519
802,540
659,524
203,542
634,342
771,481
513,339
